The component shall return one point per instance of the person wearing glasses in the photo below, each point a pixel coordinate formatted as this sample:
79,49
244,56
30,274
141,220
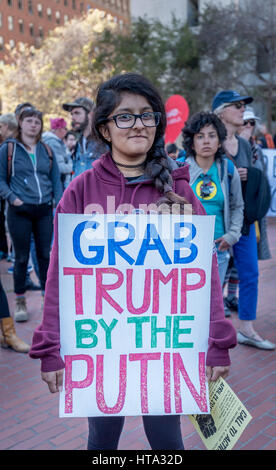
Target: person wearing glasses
229,105
29,181
130,118
247,131
219,193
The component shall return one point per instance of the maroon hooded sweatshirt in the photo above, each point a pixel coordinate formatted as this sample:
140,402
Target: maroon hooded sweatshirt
90,188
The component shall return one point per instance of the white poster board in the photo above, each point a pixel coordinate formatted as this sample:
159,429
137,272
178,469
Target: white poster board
270,161
134,313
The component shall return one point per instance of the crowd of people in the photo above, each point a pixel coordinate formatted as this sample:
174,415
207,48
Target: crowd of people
116,146
35,169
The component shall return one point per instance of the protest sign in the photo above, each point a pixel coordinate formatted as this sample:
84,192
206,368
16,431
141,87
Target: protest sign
177,112
221,429
134,313
270,161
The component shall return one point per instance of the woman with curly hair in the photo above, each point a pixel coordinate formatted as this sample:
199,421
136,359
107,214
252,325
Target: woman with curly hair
215,181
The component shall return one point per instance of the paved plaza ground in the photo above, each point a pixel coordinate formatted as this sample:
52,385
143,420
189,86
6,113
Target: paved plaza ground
29,413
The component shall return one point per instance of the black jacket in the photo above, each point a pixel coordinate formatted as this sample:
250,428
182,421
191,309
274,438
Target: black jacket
257,197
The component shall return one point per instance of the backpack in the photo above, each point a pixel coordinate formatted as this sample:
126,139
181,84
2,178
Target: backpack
10,156
230,171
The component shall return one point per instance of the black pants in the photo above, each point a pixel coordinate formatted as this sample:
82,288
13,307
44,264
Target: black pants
163,432
4,306
22,221
3,236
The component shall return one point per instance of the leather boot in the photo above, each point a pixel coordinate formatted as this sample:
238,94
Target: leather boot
10,340
20,312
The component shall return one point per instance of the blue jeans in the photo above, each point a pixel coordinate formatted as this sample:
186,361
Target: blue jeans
246,261
163,432
223,260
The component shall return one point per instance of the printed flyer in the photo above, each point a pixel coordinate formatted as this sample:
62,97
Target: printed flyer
222,428
134,313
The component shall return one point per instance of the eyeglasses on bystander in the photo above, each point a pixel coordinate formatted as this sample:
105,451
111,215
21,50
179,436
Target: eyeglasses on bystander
249,121
238,104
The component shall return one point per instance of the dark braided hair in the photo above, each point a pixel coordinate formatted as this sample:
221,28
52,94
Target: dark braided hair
108,98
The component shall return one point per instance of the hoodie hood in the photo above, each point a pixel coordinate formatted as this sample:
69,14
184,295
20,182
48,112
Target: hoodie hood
108,182
49,135
107,171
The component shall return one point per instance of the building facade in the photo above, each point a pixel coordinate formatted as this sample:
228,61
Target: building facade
162,10
29,21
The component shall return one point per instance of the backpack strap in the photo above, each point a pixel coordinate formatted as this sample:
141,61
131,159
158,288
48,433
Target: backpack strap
10,156
50,153
230,171
230,168
9,159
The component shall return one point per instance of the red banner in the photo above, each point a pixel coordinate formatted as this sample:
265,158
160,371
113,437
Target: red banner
177,111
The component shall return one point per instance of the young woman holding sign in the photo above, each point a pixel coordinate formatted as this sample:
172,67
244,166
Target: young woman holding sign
129,117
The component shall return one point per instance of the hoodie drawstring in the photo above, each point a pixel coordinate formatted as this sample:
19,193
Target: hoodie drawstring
134,194
123,189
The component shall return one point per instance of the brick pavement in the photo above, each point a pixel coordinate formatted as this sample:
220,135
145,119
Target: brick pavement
29,413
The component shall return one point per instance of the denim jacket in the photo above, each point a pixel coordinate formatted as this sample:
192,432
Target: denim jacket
85,154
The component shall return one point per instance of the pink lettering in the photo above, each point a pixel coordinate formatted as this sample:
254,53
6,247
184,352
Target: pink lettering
78,273
157,277
167,383
71,384
144,358
101,289
100,385
185,287
129,289
200,398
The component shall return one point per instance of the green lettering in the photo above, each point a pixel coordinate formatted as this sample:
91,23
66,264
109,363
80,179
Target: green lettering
138,321
82,333
180,331
108,330
166,330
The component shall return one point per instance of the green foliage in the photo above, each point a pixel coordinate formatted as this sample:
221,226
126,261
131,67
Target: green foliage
221,53
167,55
74,59
59,71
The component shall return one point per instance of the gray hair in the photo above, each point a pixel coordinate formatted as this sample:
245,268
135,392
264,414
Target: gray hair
10,120
220,108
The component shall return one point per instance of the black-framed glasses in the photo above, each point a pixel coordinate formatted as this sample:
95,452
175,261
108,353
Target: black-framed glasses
249,121
238,104
128,120
205,188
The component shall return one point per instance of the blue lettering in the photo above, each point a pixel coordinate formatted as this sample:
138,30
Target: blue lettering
184,242
99,250
151,233
115,246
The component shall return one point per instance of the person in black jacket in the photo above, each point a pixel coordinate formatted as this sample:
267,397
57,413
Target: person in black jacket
229,105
